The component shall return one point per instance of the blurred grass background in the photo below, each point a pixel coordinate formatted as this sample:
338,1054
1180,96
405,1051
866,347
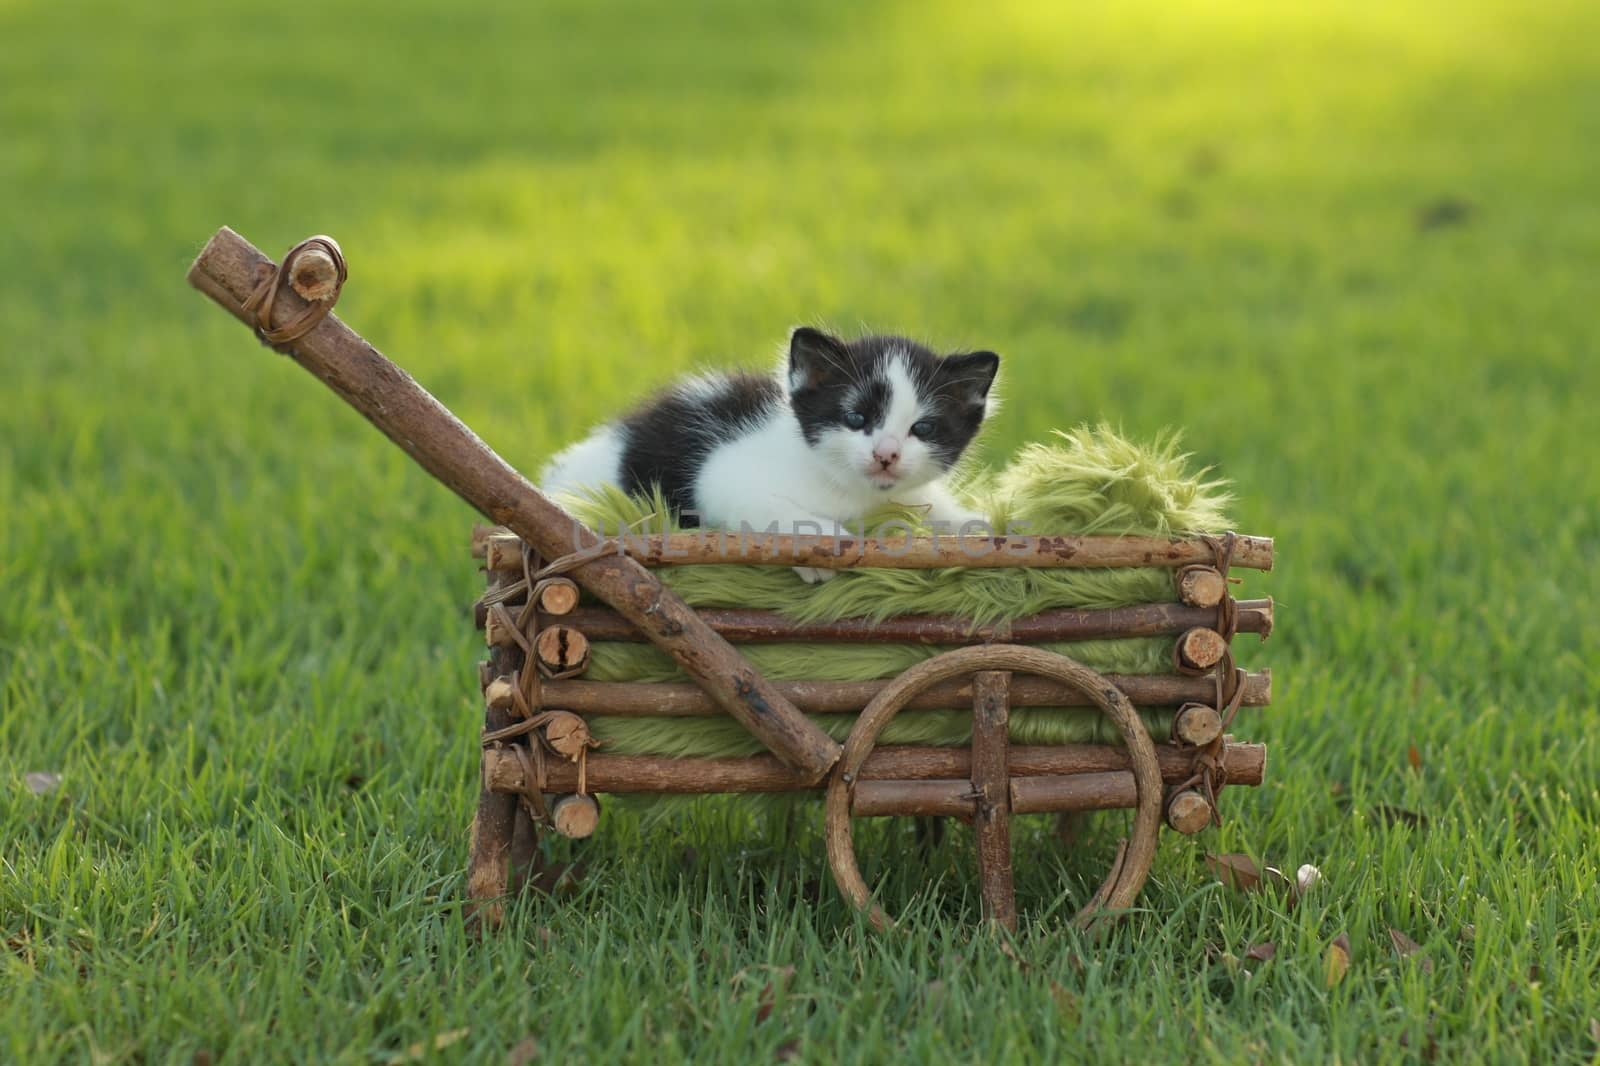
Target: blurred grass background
1350,248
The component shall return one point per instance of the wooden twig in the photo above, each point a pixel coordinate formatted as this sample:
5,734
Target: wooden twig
498,693
1112,790
1079,792
567,734
1201,586
990,787
848,551
1245,764
1201,648
502,551
575,816
769,627
557,595
554,595
937,798
496,864
640,699
1197,724
1188,812
228,270
561,650
315,275
481,532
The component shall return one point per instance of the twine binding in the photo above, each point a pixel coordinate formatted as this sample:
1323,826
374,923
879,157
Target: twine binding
272,280
526,701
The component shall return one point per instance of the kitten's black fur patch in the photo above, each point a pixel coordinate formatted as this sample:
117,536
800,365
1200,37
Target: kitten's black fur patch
668,437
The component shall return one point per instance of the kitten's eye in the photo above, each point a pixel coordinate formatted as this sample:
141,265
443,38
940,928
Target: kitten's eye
855,419
922,428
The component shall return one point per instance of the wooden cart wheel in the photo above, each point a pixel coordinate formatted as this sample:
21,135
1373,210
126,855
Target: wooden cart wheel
1133,861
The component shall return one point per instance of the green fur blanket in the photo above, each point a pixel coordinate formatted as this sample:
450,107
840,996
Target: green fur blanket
1089,480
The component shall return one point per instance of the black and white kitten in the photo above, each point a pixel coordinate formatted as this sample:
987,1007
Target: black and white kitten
839,430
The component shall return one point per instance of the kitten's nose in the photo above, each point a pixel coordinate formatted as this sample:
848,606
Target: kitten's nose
887,452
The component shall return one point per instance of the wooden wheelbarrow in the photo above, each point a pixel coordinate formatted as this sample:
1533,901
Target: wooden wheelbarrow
537,767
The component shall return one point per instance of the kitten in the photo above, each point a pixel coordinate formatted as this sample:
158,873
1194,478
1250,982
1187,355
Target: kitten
841,429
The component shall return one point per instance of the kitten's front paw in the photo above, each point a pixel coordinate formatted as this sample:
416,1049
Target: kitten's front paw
812,575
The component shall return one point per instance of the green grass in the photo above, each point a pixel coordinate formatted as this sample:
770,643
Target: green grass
234,619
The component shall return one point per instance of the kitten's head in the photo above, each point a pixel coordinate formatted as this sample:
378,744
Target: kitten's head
884,412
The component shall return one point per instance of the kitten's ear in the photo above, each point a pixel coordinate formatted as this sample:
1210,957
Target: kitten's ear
972,373
815,358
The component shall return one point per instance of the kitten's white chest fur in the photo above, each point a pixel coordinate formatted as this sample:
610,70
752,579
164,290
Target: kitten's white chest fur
772,475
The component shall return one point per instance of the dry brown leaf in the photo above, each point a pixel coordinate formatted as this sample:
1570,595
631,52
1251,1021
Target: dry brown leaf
523,1052
201,1057
420,1050
41,783
1405,947
1391,815
769,992
789,1049
764,1005
1066,1001
1262,952
1414,757
1337,962
1235,870
1011,953
21,945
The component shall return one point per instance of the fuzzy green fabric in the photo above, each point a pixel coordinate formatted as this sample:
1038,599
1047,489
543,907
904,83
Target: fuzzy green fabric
1088,480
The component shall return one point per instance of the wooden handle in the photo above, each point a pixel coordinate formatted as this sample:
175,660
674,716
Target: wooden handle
228,269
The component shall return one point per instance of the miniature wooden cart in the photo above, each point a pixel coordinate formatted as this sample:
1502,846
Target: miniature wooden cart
538,768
